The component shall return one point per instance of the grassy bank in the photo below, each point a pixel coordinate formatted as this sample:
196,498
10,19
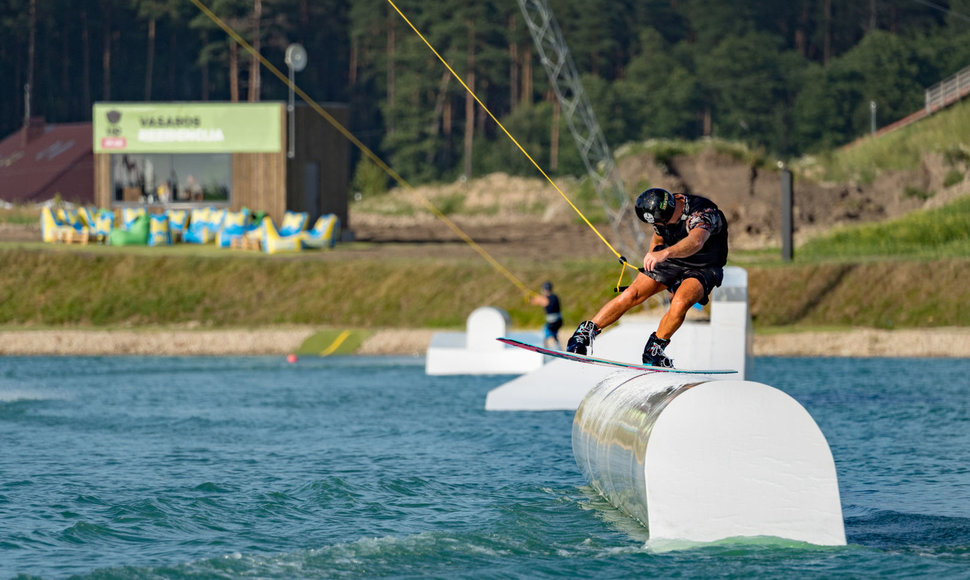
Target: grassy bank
40,287
934,233
945,132
109,288
881,294
906,273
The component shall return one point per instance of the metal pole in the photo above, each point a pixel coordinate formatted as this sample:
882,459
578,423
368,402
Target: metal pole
787,203
872,117
290,108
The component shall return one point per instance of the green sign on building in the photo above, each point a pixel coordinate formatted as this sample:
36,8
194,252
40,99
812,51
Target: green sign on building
187,128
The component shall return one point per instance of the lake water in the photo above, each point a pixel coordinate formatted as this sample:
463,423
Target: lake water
364,467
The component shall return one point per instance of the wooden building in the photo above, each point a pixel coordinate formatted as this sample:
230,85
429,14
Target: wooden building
231,155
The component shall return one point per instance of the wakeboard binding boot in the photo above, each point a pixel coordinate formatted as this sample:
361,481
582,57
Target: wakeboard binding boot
653,352
581,342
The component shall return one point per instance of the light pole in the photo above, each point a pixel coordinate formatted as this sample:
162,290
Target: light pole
872,117
295,61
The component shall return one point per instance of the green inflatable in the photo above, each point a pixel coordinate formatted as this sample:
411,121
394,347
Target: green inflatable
136,235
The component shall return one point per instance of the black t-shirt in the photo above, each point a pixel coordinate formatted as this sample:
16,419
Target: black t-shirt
553,306
699,212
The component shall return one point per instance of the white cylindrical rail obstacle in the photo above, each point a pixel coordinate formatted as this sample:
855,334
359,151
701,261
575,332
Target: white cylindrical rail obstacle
701,460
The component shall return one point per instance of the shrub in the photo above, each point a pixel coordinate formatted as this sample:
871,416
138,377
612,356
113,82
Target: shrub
953,177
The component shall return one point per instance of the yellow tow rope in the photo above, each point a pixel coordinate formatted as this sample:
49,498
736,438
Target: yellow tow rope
364,149
623,261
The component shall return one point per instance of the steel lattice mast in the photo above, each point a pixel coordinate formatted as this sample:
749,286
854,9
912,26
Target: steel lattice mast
596,154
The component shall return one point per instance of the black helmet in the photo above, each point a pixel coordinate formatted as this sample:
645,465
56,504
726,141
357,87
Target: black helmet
655,206
547,286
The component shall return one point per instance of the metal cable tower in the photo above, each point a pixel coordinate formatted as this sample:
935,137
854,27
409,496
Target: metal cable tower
578,111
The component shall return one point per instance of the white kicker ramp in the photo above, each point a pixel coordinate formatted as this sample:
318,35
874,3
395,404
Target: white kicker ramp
701,460
476,352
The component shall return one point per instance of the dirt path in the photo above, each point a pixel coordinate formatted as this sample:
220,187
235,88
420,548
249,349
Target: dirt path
520,238
938,342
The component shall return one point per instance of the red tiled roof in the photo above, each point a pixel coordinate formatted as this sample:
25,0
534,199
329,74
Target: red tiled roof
56,159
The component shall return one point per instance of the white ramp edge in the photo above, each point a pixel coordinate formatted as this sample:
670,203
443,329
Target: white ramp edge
702,460
476,352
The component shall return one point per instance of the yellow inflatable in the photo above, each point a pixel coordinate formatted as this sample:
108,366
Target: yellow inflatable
274,243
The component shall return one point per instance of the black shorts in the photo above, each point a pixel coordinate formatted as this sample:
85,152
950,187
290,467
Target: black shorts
553,327
671,273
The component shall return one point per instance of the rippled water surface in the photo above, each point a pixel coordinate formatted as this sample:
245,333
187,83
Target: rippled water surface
134,467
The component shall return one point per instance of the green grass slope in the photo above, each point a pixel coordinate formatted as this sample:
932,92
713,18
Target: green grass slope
41,288
945,132
938,233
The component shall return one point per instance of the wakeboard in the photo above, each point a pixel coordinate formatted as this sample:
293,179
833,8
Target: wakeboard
582,358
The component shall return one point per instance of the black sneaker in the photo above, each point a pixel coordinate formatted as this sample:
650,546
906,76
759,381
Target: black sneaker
581,342
653,353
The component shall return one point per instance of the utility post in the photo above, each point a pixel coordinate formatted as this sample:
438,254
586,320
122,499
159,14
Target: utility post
787,203
295,61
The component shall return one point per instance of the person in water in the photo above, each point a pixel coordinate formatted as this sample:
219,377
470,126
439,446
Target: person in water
688,252
550,302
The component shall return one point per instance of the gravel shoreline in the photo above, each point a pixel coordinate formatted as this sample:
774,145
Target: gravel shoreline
936,342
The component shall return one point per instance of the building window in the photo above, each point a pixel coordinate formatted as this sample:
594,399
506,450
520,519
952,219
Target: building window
171,178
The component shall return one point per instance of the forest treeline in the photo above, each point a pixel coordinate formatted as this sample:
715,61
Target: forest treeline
787,76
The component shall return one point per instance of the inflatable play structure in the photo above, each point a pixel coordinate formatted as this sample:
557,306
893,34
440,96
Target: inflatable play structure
158,232
698,459
324,233
130,214
104,222
51,225
178,221
204,224
241,229
135,234
280,240
235,225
